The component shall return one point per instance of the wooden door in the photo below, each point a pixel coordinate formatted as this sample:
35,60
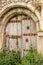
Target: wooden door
21,33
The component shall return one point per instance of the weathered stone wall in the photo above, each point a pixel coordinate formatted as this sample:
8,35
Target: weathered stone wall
8,8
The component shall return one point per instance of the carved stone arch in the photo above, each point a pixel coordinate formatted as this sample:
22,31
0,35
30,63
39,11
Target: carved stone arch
10,14
23,5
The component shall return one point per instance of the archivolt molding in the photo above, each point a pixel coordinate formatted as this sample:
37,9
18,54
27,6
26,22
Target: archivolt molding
35,3
6,2
13,12
23,5
6,5
12,5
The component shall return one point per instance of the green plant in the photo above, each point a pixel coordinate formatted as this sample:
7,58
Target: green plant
13,58
10,58
33,58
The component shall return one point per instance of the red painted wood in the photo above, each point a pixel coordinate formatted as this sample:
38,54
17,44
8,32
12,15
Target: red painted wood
15,21
27,40
25,18
28,34
13,36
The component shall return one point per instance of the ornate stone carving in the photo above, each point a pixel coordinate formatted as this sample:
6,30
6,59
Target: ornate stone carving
35,3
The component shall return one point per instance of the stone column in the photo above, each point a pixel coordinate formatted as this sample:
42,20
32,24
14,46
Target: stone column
40,33
0,37
41,20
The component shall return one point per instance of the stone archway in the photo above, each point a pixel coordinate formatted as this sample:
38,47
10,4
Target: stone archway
12,13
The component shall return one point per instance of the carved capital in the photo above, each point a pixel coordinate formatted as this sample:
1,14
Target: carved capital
37,4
